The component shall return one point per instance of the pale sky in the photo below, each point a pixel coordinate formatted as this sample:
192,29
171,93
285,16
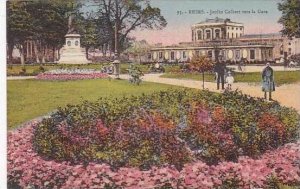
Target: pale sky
179,26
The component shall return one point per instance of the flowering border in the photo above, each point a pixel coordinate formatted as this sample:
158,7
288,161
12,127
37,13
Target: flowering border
27,169
71,74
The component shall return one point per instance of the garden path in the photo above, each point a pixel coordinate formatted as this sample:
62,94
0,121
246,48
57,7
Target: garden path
259,68
287,95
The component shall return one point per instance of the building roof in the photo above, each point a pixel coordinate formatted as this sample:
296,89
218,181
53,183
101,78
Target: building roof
217,20
264,35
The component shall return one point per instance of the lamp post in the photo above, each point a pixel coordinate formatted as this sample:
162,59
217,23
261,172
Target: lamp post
116,64
116,61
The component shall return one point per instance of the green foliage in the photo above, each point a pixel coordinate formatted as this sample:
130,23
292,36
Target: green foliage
131,15
173,127
201,64
135,74
290,18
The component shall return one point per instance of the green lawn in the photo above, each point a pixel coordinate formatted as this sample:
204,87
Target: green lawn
28,99
281,77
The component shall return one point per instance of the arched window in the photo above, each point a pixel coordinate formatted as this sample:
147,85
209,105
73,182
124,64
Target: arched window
199,35
232,35
69,43
208,34
76,43
236,36
217,33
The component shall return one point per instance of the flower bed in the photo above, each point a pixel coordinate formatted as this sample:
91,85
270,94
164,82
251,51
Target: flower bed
174,127
71,74
180,139
29,170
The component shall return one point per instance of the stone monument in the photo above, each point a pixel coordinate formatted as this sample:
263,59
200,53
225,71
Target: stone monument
71,52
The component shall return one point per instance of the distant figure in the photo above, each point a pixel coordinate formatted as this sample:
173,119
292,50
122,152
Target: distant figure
268,84
229,80
220,70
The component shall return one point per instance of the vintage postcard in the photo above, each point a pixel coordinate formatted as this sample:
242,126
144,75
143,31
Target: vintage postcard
153,94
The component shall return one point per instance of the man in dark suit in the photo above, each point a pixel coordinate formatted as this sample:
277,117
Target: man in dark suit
220,70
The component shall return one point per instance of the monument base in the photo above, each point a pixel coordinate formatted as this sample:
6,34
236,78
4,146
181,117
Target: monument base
73,56
71,53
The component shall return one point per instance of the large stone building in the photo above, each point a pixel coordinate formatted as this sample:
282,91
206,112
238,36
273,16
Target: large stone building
225,40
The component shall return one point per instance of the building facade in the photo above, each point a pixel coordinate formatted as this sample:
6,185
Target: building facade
225,40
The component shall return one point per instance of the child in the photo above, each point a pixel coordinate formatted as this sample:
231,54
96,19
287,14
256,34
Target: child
229,80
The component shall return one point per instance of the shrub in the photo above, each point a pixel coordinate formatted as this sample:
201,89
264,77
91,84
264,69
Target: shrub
135,74
42,69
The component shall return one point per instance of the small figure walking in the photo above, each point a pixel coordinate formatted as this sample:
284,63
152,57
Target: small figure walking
268,84
229,80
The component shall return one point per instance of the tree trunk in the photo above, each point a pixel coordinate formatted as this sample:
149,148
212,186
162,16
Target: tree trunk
21,50
36,53
53,54
10,48
58,54
43,54
87,53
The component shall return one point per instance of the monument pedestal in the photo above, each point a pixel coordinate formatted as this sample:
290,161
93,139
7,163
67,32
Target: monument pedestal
71,53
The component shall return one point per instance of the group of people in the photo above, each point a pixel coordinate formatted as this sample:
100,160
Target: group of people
223,75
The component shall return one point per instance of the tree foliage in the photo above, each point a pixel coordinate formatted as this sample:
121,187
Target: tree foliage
138,48
290,18
201,64
126,16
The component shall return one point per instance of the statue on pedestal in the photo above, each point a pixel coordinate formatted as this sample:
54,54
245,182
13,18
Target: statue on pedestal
71,28
71,52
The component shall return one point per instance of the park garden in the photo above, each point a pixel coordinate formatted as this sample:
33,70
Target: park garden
78,126
107,133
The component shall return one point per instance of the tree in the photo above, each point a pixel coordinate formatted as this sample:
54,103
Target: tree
89,34
290,18
122,17
201,64
50,23
139,48
19,27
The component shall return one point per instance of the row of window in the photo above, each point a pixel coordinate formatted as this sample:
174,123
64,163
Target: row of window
208,34
232,28
217,35
222,54
232,35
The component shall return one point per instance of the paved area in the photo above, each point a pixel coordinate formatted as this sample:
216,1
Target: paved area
19,77
287,95
250,68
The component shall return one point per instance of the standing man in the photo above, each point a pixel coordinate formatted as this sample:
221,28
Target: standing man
220,70
268,84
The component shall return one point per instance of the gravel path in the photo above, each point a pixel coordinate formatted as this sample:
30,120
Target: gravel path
19,77
287,95
253,68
